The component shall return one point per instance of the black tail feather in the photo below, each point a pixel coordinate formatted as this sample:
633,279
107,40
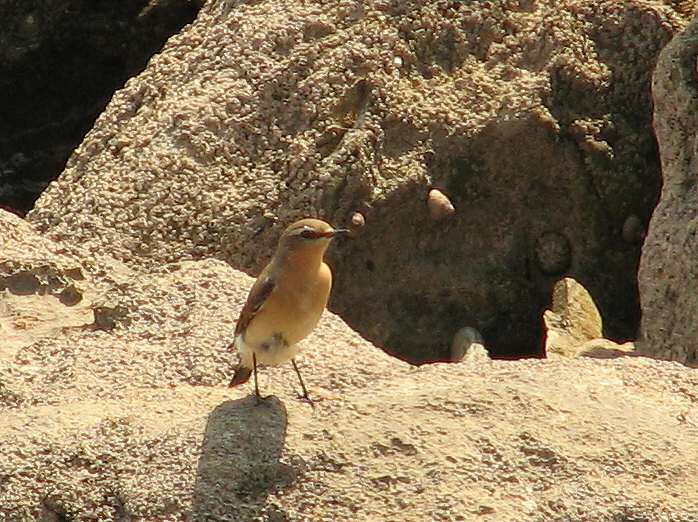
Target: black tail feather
242,375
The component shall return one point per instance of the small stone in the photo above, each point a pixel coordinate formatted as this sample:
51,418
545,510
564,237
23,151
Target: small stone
572,320
439,205
633,230
358,221
468,343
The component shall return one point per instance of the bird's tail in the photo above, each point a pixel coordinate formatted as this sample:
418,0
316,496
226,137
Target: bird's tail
241,375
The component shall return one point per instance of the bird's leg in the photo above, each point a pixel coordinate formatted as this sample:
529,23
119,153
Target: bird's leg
256,384
305,396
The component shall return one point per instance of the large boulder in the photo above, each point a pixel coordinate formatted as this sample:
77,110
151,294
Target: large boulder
532,119
668,273
137,423
60,62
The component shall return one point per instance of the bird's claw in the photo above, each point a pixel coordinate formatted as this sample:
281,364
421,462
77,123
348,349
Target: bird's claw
259,399
307,400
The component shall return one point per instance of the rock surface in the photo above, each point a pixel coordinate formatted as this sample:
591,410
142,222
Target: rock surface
668,274
137,423
605,349
43,288
263,111
60,62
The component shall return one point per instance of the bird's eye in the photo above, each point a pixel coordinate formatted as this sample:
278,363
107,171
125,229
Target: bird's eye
307,234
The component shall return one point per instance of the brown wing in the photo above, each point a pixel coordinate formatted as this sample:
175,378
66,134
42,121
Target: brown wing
261,290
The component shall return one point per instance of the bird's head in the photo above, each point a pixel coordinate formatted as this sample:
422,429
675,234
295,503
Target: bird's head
308,237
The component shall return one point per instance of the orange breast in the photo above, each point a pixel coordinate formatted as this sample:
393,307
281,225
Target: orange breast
293,309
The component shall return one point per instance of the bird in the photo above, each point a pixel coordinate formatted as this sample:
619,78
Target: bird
285,302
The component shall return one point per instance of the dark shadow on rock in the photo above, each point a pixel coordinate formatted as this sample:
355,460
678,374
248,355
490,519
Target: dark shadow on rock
522,221
409,283
537,198
240,462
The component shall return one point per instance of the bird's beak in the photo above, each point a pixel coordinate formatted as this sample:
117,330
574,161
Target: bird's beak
335,232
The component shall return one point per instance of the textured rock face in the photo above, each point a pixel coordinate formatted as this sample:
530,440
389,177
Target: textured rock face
43,288
60,62
137,423
668,276
532,118
685,7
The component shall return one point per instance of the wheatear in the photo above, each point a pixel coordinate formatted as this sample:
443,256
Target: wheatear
286,301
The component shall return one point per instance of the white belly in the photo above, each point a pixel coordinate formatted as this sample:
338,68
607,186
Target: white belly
271,353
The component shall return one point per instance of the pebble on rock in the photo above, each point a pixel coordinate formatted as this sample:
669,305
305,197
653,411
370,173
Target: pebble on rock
357,221
468,343
439,205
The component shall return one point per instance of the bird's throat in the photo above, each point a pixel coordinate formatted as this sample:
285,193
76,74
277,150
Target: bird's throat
306,260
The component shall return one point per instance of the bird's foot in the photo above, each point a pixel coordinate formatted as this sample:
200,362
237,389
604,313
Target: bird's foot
260,400
306,398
